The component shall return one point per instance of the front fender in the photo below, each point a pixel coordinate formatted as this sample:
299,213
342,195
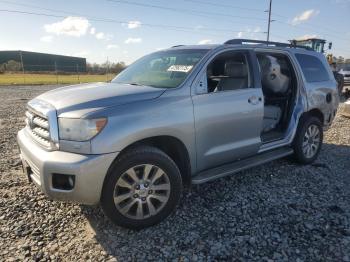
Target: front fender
164,116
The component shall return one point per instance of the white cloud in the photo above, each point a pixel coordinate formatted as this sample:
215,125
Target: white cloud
46,38
305,16
100,35
71,26
205,41
131,40
304,37
134,24
342,1
92,30
82,53
112,46
103,36
257,29
250,32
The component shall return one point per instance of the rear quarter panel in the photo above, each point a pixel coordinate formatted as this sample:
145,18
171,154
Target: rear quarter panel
318,93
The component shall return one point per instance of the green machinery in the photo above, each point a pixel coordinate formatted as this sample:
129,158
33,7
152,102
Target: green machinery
318,45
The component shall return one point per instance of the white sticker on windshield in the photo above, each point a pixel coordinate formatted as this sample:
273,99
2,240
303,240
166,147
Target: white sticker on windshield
180,68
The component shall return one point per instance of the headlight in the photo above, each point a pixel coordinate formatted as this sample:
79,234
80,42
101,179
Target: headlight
80,129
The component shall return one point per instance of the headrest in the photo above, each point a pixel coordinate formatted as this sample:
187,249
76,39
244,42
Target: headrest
235,69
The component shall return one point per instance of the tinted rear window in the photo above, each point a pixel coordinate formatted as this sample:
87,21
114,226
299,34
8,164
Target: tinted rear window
312,67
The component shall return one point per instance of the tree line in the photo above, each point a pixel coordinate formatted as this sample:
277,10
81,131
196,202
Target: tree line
114,68
91,68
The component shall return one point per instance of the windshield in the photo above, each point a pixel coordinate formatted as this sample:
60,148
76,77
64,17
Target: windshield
166,69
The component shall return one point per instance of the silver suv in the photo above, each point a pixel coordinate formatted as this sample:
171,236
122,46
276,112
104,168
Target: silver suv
182,116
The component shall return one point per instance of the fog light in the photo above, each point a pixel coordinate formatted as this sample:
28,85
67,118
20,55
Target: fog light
63,181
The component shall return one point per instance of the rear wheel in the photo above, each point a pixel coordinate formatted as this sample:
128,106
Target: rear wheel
308,140
142,188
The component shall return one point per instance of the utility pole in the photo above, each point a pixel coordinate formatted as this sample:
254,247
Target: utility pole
107,69
269,22
78,73
56,72
21,56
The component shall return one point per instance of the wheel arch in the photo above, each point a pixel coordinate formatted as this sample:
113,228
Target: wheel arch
315,112
171,146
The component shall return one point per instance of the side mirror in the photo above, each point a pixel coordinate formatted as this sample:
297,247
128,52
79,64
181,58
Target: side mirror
330,45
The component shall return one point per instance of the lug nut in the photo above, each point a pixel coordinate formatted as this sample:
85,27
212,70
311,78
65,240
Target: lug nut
137,187
143,199
146,184
150,192
136,196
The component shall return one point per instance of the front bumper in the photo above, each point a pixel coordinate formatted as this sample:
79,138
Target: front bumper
89,170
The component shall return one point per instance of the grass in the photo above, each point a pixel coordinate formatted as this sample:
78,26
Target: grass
47,79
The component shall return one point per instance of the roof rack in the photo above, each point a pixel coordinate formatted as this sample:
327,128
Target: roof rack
262,42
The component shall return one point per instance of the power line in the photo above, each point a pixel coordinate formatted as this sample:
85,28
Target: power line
167,27
224,5
108,20
305,23
99,19
190,11
312,25
303,27
195,12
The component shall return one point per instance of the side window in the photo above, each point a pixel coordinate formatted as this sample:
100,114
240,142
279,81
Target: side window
313,69
228,71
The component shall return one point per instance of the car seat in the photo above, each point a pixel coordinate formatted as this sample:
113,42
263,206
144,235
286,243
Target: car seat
275,86
236,76
274,82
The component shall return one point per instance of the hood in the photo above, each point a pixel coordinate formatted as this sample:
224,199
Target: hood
85,98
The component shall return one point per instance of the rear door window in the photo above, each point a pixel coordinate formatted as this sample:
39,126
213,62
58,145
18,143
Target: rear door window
312,67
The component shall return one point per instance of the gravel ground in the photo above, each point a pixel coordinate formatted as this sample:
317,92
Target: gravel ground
276,212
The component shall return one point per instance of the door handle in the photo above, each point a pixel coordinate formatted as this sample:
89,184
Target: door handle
254,100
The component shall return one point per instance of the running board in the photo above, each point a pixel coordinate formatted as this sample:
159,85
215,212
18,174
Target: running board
240,165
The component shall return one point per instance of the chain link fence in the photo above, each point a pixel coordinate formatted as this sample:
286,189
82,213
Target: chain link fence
13,73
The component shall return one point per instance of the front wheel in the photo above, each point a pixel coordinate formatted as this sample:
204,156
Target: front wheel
308,140
142,188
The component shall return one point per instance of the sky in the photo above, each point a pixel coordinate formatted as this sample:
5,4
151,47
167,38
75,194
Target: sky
125,30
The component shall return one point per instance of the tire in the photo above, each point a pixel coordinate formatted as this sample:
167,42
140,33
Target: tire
305,128
146,203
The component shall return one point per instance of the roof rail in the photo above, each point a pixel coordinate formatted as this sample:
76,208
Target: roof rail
176,46
262,42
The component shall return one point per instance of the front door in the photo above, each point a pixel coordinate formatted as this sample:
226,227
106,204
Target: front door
228,117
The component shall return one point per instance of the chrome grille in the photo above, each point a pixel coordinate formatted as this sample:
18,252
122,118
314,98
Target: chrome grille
38,127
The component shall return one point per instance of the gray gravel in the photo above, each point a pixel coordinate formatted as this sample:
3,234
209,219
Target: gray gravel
276,212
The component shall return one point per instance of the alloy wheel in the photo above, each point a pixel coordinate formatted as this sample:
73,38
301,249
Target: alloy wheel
311,141
142,191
